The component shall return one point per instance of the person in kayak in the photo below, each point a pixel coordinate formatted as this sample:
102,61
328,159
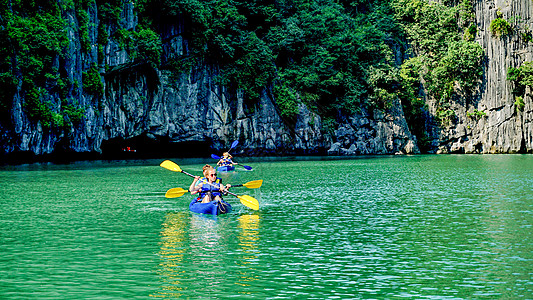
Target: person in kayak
205,170
225,160
210,187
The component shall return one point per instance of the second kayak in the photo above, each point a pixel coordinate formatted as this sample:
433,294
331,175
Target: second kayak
225,168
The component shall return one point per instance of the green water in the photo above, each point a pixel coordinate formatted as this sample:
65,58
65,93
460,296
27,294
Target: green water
454,226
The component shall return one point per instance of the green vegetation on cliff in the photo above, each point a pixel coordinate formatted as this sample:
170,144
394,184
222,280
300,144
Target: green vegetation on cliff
331,56
35,39
336,57
521,78
500,27
445,58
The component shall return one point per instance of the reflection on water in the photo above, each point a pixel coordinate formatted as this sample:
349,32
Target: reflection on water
248,246
173,251
196,255
190,254
206,252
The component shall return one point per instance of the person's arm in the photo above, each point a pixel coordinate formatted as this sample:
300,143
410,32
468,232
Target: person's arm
193,188
224,188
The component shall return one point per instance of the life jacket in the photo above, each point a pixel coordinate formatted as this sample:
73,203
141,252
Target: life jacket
226,162
204,180
207,188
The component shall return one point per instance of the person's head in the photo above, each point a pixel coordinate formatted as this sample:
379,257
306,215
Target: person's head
211,174
227,155
206,168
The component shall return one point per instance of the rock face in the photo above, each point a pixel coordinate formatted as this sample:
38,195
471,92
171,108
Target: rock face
493,123
377,133
154,106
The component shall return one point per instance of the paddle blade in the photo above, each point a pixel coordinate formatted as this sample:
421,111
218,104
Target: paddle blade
249,201
233,145
167,164
254,184
175,192
246,167
215,156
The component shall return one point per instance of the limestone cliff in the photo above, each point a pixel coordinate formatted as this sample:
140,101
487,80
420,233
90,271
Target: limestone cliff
151,109
144,105
493,123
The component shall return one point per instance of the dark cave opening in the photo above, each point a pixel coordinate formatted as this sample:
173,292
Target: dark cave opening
143,147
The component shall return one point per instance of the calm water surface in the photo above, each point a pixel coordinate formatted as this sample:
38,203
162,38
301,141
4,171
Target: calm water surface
454,226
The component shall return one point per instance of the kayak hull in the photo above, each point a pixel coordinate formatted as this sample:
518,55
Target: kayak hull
210,208
225,168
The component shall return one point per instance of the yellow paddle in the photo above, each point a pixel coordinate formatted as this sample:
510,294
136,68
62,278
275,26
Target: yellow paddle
251,184
246,200
175,193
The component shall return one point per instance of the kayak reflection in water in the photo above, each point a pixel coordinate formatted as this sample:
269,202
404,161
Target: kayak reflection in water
210,187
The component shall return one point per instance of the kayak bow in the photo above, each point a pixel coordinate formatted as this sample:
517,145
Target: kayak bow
210,208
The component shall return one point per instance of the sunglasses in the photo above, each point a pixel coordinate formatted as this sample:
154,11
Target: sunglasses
213,175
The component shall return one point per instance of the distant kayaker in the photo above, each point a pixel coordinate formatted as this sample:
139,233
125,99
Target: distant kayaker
225,160
210,187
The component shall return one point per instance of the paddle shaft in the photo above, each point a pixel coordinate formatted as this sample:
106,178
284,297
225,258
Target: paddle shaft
187,173
207,181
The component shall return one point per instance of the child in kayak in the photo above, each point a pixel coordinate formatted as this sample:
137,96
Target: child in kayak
210,187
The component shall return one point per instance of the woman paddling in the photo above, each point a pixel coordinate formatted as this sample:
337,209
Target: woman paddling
210,187
205,169
225,160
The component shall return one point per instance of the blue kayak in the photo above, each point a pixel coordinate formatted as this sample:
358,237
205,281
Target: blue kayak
211,208
225,168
